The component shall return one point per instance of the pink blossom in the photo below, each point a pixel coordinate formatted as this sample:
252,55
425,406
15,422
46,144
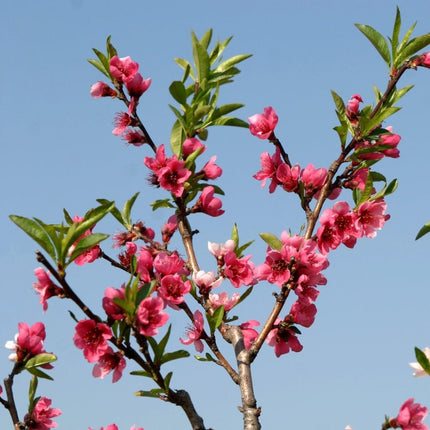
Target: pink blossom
157,163
168,264
173,289
92,337
144,264
313,179
195,332
190,145
275,269
219,250
136,85
352,109
113,310
371,216
303,313
390,140
269,166
211,170
123,69
288,177
338,225
222,299
422,60
263,125
133,137
173,176
249,334
208,204
122,121
150,317
358,179
410,416
89,255
40,416
169,228
109,361
283,339
240,271
45,287
206,281
28,342
101,89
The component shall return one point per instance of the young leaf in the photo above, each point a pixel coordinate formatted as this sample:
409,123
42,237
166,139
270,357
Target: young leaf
395,36
228,120
377,40
155,393
37,372
40,360
272,241
127,207
32,391
177,136
422,359
165,203
227,64
169,356
216,318
86,243
208,358
339,103
177,90
424,230
415,45
36,232
201,60
235,235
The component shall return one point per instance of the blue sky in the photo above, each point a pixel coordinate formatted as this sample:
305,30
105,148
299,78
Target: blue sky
58,152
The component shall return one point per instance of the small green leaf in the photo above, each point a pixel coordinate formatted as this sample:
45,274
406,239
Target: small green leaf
37,372
239,251
85,244
415,45
208,357
245,295
141,373
169,356
188,70
422,359
128,206
99,66
395,36
377,40
216,318
167,379
40,360
32,391
155,393
339,103
165,203
177,136
424,230
272,241
177,90
36,232
201,60
235,235
227,64
228,120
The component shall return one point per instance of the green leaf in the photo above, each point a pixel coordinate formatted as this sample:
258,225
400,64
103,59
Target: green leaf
227,120
141,373
423,361
223,110
169,356
35,371
201,60
177,90
167,379
36,232
208,358
165,203
177,136
40,360
227,64
188,70
377,40
239,251
32,392
395,36
128,206
272,241
235,235
99,66
86,243
403,43
206,39
424,230
115,212
389,189
216,318
339,103
110,49
155,393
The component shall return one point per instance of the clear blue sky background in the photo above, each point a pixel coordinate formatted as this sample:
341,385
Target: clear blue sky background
57,151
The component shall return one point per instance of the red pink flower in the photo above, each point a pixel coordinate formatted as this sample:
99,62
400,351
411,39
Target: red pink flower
410,416
45,287
150,317
263,125
92,337
40,416
195,332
